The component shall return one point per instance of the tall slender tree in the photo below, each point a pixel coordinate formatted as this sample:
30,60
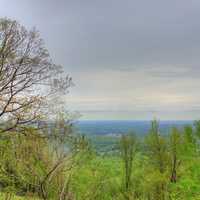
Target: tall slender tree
175,150
128,149
158,156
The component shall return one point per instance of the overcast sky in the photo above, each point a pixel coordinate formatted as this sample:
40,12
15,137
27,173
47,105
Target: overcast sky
129,59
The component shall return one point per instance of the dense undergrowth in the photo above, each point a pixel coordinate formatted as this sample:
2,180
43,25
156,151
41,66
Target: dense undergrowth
61,165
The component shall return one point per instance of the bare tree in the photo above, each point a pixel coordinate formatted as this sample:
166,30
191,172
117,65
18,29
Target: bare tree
27,75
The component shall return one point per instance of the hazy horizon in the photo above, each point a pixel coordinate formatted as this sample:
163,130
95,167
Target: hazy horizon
129,59
135,120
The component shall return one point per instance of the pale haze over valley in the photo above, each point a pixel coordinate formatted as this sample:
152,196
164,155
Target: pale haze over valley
131,59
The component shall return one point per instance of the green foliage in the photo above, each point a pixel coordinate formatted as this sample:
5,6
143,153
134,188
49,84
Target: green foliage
63,166
127,151
99,178
157,148
36,164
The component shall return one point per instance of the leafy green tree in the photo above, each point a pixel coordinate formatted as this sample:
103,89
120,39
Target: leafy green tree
190,144
197,128
157,147
127,150
158,159
175,146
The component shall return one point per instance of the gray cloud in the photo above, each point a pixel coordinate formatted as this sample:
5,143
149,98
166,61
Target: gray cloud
116,34
120,50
